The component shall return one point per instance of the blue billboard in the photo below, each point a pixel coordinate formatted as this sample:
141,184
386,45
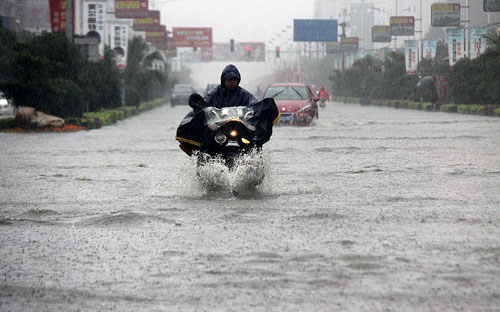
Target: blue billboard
315,30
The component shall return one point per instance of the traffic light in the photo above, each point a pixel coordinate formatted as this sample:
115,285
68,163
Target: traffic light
231,42
277,51
249,50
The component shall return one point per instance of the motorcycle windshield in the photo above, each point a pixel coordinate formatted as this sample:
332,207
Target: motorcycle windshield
218,117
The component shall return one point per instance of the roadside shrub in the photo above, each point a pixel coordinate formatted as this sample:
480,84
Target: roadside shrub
414,105
426,106
449,108
463,109
489,110
496,112
403,104
476,109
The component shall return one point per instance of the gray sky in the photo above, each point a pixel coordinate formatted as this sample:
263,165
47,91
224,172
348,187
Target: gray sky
243,20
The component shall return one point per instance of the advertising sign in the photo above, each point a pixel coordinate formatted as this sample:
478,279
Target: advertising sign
333,48
477,42
411,57
131,8
94,13
429,48
445,14
381,33
156,36
160,45
171,50
315,30
349,43
491,5
192,37
119,42
58,15
402,25
456,44
149,23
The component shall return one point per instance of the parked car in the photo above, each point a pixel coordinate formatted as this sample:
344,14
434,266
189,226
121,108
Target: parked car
6,108
295,101
181,93
210,87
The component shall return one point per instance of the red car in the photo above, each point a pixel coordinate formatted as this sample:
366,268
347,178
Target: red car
295,101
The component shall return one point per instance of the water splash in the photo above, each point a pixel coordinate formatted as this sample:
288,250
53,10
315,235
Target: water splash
244,179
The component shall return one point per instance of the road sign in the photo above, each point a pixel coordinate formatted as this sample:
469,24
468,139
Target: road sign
313,30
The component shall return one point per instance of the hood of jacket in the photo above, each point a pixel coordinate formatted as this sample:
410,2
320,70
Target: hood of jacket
230,71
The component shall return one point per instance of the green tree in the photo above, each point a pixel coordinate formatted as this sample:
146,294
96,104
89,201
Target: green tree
142,83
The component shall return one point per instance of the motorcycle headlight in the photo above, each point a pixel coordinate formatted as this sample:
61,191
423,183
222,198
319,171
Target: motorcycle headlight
220,138
233,133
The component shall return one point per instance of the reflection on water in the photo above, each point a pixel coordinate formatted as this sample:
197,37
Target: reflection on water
356,212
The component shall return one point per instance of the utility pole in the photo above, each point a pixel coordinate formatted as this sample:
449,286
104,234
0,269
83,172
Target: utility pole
363,25
420,37
396,37
69,20
467,30
343,25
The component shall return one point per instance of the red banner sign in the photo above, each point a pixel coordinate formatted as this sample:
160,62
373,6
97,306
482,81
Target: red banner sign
171,50
157,36
58,15
192,37
149,23
131,8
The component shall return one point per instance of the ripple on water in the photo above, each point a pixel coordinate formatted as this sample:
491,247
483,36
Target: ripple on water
119,218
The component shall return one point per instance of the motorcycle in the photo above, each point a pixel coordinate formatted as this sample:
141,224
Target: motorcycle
321,99
225,135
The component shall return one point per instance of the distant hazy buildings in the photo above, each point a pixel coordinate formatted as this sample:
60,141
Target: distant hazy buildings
30,15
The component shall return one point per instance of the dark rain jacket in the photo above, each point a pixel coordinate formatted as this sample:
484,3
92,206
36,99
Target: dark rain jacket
222,97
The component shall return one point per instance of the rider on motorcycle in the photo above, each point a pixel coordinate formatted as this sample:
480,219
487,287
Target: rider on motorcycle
229,93
323,94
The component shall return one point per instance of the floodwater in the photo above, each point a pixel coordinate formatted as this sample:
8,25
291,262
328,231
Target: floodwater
368,209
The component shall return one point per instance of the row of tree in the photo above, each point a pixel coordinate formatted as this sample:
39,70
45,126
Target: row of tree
49,73
469,81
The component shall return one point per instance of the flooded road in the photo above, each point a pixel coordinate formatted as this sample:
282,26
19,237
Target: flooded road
368,209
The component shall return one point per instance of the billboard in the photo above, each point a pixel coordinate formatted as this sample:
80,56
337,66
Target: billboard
192,37
445,14
94,14
411,57
158,35
455,44
315,30
171,50
333,48
149,23
119,41
402,25
58,15
349,43
381,33
491,5
477,42
429,48
131,8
